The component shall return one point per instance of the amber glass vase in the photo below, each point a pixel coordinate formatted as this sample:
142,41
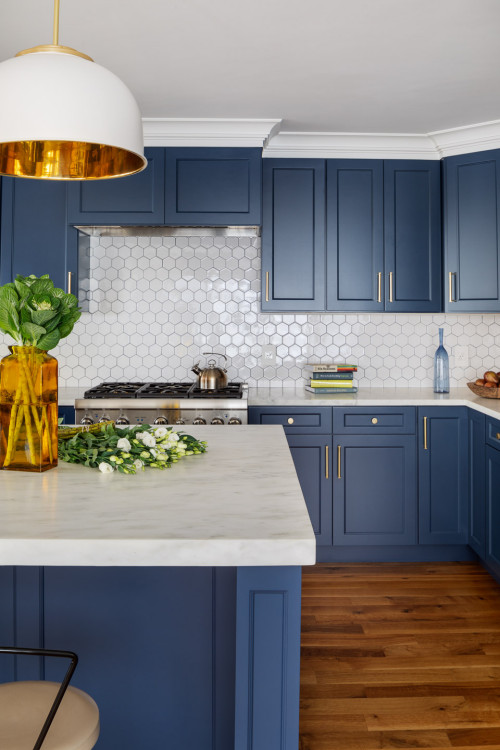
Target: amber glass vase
28,410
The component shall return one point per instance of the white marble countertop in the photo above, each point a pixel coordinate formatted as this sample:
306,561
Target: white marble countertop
240,503
374,397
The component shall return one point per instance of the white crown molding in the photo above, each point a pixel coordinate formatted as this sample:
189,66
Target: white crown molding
351,146
207,132
469,138
266,134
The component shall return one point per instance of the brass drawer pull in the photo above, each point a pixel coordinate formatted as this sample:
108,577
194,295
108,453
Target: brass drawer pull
267,286
379,285
290,420
339,451
327,476
391,287
70,278
497,436
374,420
425,433
450,286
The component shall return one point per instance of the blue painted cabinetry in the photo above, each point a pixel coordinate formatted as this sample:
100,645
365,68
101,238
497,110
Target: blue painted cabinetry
472,232
383,235
35,237
137,199
309,437
210,186
375,498
293,234
492,557
186,186
443,475
477,488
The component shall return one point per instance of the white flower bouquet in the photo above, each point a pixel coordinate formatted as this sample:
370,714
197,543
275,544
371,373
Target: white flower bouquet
128,450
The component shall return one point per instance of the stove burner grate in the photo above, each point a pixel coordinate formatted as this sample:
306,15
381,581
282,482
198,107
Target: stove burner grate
162,390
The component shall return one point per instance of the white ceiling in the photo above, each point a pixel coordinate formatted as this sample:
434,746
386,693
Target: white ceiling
394,66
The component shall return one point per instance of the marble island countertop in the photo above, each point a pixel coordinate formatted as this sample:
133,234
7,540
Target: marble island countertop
374,397
240,503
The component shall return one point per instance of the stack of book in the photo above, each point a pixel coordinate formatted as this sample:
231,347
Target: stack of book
331,377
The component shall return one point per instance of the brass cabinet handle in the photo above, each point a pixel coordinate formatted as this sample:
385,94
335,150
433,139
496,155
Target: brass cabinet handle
379,286
425,434
267,286
70,278
498,436
339,451
290,420
391,287
374,420
450,286
327,476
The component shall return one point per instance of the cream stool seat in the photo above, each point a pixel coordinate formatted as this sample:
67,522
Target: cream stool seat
24,707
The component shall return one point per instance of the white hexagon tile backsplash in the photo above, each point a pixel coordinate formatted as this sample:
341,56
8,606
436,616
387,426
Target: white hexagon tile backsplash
156,303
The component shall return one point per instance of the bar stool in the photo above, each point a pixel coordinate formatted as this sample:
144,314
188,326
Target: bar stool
29,709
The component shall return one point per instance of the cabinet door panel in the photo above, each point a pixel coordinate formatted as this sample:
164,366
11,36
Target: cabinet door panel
136,199
310,457
34,231
293,253
354,234
493,507
443,475
375,496
412,235
213,186
472,204
477,490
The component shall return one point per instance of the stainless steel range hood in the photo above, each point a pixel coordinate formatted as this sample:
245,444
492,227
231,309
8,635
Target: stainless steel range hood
160,231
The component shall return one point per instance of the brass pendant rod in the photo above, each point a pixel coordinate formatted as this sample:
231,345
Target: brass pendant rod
56,23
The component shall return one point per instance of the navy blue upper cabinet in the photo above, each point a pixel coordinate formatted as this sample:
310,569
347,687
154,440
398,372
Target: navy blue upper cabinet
34,234
412,236
213,186
137,199
293,234
443,475
472,232
355,234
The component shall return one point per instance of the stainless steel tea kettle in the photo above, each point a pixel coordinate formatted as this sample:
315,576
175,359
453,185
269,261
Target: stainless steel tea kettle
211,378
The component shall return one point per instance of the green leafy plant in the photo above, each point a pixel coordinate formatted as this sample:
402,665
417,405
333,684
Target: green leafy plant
127,450
36,313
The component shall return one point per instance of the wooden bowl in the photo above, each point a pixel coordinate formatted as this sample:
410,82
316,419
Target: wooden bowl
480,390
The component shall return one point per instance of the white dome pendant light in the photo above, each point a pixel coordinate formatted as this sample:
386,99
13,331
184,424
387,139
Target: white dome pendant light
62,117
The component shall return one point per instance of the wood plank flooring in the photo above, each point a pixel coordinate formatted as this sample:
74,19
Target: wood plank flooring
398,655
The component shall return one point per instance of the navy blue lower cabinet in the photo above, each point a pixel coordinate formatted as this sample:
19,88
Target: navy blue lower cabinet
374,492
477,489
175,657
34,233
493,509
443,475
67,414
312,457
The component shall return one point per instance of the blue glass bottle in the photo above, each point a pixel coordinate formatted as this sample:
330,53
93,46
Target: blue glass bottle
441,368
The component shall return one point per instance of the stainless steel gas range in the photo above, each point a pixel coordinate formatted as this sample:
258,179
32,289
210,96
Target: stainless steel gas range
163,404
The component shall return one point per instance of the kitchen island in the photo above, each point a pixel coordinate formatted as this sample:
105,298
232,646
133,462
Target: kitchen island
179,589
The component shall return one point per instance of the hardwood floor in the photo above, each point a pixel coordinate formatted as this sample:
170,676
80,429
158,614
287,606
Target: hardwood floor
398,655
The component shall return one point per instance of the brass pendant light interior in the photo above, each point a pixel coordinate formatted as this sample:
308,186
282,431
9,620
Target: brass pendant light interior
66,159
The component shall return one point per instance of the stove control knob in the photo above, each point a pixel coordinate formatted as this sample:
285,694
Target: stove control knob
161,420
105,418
234,420
217,420
199,420
122,420
180,421
86,420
